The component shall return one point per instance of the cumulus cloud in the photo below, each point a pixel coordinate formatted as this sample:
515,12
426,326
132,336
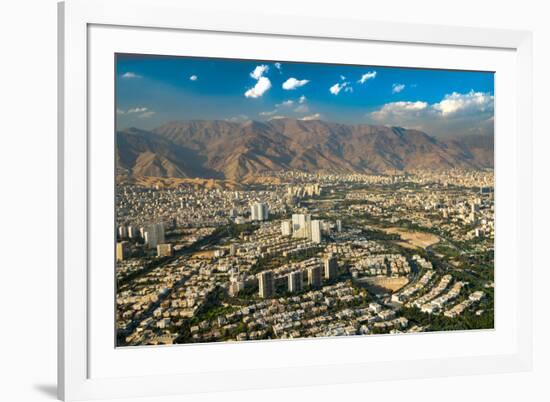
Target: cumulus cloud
139,109
293,83
336,88
262,85
130,74
286,103
367,76
278,117
456,113
238,119
298,106
193,78
278,66
146,115
400,109
315,116
259,71
456,103
396,88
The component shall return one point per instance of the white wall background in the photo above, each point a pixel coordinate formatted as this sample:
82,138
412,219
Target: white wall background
28,198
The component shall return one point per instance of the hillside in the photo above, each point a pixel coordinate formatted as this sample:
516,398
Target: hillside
237,151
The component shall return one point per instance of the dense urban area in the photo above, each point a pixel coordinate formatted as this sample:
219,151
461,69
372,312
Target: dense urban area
304,255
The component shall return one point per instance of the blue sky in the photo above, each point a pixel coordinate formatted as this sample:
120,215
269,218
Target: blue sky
152,90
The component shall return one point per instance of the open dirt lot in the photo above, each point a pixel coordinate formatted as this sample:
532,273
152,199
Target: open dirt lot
413,239
383,284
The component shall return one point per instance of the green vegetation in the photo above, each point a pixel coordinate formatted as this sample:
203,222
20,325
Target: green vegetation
467,320
212,307
374,234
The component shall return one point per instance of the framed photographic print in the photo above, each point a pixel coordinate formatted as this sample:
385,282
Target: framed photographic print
264,201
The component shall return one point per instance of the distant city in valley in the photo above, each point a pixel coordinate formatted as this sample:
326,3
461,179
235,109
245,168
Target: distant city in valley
262,200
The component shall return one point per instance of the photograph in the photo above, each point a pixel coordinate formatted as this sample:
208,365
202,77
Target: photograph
265,200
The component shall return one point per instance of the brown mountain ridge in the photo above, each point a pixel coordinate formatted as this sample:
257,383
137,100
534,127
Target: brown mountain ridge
241,151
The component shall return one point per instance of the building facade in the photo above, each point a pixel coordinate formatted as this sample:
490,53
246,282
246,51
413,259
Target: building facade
265,284
314,276
295,281
331,268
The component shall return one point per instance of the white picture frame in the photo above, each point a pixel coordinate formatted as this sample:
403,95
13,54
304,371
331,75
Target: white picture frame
76,349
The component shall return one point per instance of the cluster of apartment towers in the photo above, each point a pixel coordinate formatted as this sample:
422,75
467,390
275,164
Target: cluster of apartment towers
153,236
266,279
303,227
300,226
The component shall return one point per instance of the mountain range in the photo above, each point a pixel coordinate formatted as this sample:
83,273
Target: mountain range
241,151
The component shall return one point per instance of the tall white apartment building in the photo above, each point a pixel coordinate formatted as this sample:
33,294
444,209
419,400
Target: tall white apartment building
301,226
286,228
259,211
295,281
316,231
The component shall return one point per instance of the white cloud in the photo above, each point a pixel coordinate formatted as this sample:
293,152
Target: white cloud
456,113
285,103
283,107
336,88
367,76
315,116
343,77
193,78
399,109
262,83
278,66
396,88
457,103
293,83
259,71
238,119
139,109
259,89
130,74
278,117
146,114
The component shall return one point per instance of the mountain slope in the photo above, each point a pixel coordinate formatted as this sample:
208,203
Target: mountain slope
240,151
479,148
142,153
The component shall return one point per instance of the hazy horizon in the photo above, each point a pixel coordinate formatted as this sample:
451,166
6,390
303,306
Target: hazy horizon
169,122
